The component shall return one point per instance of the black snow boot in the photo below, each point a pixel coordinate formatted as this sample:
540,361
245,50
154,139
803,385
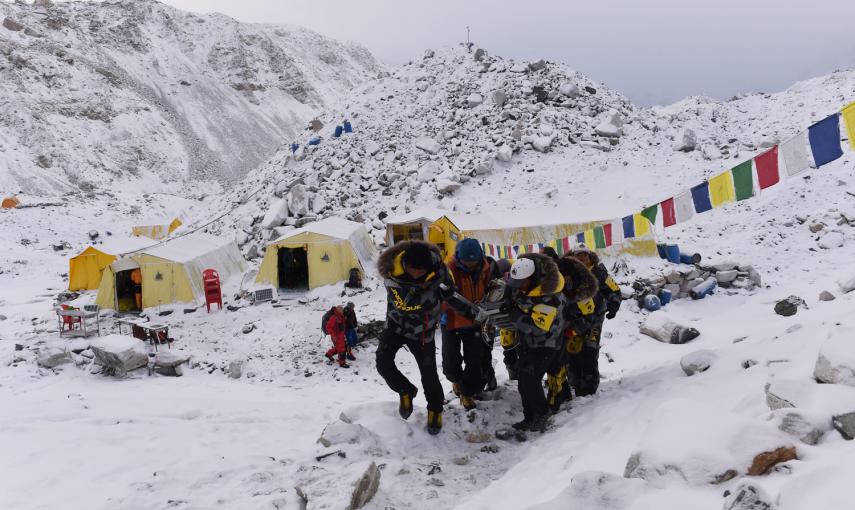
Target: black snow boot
434,422
405,403
522,425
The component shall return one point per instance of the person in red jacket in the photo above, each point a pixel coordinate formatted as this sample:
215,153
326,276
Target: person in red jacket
335,328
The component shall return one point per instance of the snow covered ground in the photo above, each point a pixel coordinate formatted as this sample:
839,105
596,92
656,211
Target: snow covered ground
75,439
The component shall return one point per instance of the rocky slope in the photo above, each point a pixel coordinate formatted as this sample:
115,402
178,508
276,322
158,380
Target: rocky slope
93,94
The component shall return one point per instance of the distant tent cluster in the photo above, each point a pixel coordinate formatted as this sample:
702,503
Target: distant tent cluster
156,229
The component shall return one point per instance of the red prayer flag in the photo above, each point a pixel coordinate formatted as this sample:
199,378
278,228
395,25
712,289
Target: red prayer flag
566,244
767,168
669,213
607,229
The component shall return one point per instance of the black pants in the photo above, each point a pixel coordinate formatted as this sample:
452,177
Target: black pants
583,368
487,357
532,366
471,376
425,355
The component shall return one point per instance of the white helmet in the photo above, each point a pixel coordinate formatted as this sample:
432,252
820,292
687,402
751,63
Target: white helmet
520,272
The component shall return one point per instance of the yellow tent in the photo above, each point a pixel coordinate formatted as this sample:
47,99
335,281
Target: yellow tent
171,272
319,253
448,230
156,229
86,268
412,225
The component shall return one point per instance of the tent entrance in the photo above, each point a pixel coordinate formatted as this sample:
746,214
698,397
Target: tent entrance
293,267
407,231
128,293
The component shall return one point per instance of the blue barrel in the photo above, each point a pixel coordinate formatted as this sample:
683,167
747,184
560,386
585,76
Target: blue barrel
315,140
338,131
294,147
652,303
672,253
694,258
347,127
704,289
660,247
665,296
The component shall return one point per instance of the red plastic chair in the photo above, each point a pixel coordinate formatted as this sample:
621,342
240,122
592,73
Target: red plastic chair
213,292
67,320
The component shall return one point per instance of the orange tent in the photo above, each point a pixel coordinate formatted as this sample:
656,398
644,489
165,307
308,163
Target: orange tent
10,203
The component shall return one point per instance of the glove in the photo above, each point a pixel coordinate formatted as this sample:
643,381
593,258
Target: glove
480,315
612,310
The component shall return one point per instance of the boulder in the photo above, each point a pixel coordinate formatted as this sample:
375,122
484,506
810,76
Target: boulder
484,167
540,143
789,306
831,240
119,354
826,296
12,25
445,185
474,100
835,363
298,200
365,487
372,147
276,214
748,496
686,142
169,363
698,361
569,90
537,65
505,153
429,171
479,55
796,424
53,357
763,462
235,369
845,424
847,285
726,276
612,126
341,433
662,327
500,98
711,153
428,145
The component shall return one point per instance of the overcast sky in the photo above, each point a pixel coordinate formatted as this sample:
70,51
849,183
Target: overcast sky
654,51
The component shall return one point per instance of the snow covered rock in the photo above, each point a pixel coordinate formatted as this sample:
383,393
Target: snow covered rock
276,214
691,443
341,432
474,100
540,143
484,167
800,425
429,171
826,296
428,145
686,142
711,152
500,98
10,24
235,369
748,496
119,354
612,127
365,487
505,154
835,363
537,65
479,54
570,90
660,326
789,306
845,424
597,490
298,200
726,276
446,185
698,361
53,357
169,363
831,240
847,285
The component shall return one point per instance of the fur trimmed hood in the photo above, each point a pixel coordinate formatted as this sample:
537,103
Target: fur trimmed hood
579,283
389,263
595,259
548,278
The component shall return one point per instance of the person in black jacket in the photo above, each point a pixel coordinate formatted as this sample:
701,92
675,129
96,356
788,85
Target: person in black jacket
535,304
417,282
583,365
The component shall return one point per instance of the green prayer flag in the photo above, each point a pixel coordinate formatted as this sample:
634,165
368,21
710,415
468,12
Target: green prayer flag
650,213
600,237
743,180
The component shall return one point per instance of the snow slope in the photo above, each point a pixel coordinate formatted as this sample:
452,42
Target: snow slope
207,440
107,93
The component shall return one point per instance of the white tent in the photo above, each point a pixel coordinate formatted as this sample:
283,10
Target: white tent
412,225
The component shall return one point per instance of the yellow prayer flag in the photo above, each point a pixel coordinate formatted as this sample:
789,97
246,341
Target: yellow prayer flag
849,117
721,189
642,225
589,239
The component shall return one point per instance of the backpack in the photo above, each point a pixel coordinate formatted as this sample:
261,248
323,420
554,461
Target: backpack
324,321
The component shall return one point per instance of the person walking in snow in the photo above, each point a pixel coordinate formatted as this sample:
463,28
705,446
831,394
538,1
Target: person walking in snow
334,326
583,364
472,272
350,324
417,282
580,287
535,304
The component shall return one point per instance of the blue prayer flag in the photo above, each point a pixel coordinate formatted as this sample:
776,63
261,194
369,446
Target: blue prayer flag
825,140
580,238
628,227
701,197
